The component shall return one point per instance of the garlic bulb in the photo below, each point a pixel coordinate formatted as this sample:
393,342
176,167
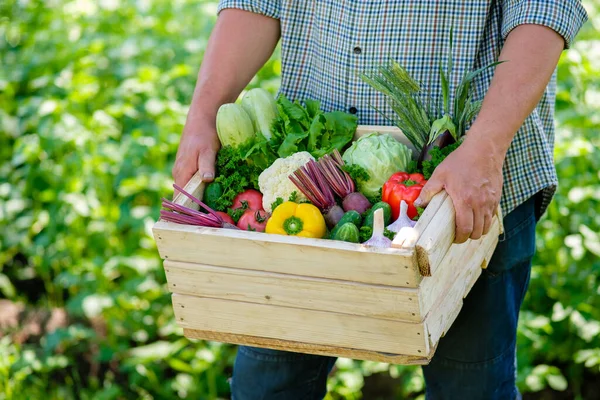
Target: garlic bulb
378,239
403,220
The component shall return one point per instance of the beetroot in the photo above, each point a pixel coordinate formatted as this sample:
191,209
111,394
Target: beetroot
310,181
342,184
356,201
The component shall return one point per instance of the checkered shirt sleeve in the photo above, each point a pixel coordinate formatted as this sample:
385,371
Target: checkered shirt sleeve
269,8
565,17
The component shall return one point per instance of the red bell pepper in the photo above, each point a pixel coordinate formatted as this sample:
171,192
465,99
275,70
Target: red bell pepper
403,186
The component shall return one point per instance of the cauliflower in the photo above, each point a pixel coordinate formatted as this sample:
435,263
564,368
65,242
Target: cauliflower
274,181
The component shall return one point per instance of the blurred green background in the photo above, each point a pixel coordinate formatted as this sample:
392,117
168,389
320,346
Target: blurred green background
93,97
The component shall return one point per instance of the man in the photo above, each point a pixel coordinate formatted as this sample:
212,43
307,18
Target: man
506,158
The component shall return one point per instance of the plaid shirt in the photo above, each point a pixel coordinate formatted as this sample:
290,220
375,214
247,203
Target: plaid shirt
325,44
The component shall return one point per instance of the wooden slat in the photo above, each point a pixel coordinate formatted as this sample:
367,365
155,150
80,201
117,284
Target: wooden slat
286,254
376,301
432,287
432,240
447,307
306,348
436,239
195,187
407,238
299,325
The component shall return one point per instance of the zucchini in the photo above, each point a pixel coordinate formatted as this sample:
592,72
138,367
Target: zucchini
387,214
348,232
212,194
349,216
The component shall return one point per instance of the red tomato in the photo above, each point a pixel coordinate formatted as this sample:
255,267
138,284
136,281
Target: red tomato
253,220
225,217
250,199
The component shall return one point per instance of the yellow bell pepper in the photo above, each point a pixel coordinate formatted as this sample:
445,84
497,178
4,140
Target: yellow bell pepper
294,219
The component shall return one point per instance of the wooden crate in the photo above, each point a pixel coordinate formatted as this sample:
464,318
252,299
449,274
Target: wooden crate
321,296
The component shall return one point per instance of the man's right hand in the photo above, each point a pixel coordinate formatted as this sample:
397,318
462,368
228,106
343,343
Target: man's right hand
197,152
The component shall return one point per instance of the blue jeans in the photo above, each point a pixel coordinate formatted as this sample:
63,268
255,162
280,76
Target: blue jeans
474,360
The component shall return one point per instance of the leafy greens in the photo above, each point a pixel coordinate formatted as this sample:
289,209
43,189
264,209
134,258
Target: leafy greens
303,128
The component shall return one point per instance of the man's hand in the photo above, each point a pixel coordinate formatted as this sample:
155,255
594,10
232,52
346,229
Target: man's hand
472,176
197,152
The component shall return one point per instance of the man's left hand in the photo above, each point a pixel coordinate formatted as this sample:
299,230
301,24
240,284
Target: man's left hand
472,176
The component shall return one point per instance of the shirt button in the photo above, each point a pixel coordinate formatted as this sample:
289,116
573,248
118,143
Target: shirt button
353,110
357,50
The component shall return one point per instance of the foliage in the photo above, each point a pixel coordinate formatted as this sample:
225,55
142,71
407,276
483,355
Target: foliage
234,175
93,97
298,129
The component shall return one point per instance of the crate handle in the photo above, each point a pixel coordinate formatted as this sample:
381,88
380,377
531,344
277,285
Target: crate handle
433,235
195,187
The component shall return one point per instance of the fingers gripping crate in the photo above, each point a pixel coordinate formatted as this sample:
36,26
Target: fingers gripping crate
322,296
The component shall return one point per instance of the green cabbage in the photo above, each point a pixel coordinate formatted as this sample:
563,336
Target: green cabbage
380,155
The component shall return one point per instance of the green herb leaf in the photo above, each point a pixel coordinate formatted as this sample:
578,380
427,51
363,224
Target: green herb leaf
298,129
276,203
356,172
313,107
315,133
235,174
236,214
437,156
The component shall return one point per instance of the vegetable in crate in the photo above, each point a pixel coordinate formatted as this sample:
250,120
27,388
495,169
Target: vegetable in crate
309,179
403,186
378,239
293,197
387,213
294,219
185,215
234,175
403,220
249,199
212,195
342,184
297,129
348,232
437,155
274,181
365,233
262,109
350,216
226,217
380,155
253,220
234,126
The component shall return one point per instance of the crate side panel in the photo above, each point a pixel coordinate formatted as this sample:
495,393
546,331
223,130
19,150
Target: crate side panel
286,255
449,304
376,301
294,324
307,348
455,261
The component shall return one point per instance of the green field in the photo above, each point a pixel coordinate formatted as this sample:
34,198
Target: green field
93,97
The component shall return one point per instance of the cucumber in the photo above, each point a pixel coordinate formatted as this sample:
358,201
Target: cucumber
349,216
212,194
348,232
387,214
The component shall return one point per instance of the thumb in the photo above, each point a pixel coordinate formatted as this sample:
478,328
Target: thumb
206,165
431,188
